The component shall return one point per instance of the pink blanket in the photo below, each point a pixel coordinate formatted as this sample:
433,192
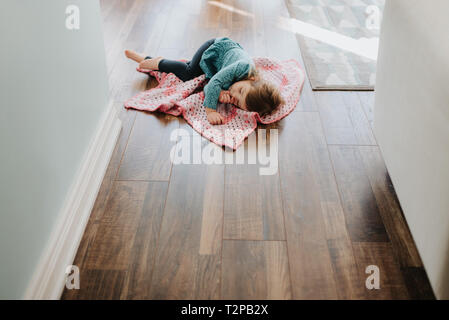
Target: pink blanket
175,97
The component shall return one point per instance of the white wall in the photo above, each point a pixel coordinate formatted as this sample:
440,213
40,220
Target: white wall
53,88
412,123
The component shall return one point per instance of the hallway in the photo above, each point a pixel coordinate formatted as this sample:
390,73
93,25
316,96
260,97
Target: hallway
163,231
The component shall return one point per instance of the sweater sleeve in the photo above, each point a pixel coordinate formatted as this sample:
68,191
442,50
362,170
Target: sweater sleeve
222,80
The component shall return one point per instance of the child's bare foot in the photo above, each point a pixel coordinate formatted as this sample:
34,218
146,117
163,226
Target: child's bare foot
150,64
134,56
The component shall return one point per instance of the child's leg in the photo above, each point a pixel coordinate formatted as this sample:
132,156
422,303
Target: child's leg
150,63
189,70
144,63
134,56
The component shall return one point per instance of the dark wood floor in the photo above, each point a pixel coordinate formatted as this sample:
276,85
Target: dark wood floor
163,231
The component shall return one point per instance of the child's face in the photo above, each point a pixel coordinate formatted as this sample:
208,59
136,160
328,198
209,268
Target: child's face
239,90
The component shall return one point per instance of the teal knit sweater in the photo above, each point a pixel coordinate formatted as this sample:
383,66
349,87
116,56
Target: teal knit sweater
224,63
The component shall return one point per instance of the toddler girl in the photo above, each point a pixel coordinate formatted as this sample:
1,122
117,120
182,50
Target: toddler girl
231,73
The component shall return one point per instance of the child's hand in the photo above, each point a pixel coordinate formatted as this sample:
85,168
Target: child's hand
225,97
214,117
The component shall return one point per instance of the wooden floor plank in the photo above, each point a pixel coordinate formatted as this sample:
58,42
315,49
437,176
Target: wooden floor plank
141,261
182,270
255,270
380,254
337,122
113,19
127,118
312,202
367,101
144,35
253,205
417,283
389,207
147,156
360,124
361,210
112,247
300,161
348,282
97,285
126,241
114,46
177,35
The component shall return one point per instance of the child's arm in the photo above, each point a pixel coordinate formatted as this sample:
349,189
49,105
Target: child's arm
213,89
213,116
222,79
213,94
225,97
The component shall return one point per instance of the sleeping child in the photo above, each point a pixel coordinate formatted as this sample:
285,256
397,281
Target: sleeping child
232,77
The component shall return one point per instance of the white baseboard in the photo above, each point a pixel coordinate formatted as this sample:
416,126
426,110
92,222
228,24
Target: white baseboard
48,280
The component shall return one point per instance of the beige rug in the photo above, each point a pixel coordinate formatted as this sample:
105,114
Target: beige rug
338,41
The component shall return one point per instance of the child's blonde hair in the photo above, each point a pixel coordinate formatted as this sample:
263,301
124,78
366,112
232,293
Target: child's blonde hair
263,97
